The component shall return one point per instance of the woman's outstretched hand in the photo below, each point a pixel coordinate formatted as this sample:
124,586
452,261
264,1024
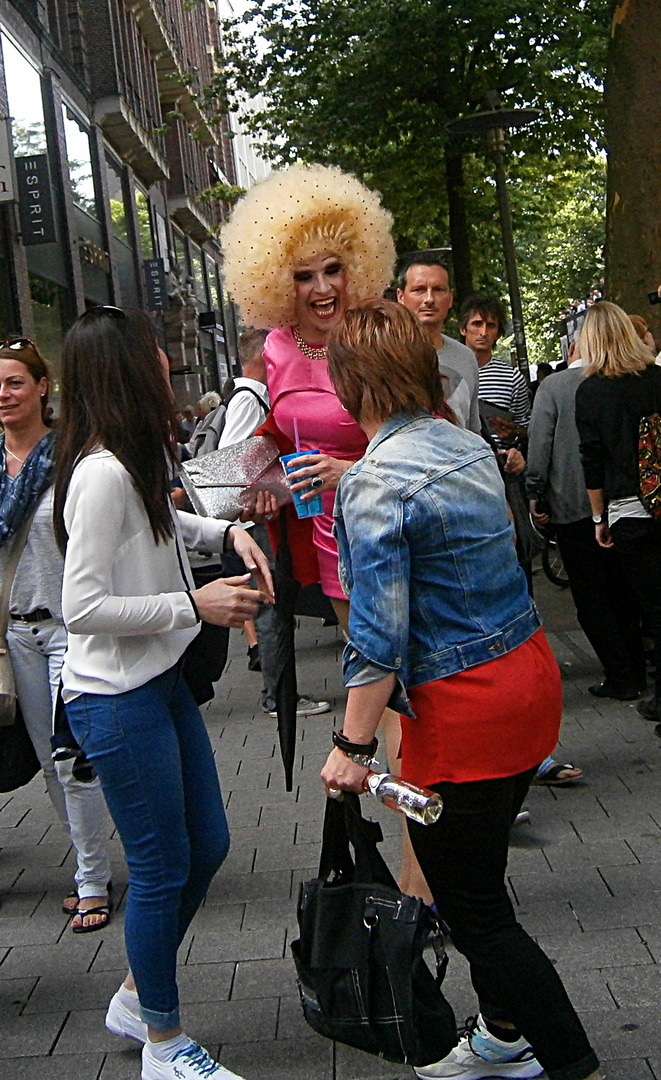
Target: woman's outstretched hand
329,469
254,558
229,601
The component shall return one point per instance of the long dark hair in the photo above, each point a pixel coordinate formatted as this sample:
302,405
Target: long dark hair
114,395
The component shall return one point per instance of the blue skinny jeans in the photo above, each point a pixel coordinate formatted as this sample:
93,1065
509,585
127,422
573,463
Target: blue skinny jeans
154,759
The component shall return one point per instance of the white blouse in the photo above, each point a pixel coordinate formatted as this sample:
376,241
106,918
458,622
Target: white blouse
124,599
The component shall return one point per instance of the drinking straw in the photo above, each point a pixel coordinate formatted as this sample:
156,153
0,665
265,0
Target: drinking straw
296,436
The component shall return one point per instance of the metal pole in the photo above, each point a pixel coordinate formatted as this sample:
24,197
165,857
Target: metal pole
497,145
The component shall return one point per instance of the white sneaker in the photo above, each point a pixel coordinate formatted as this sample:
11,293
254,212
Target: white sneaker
191,1063
123,1021
462,1064
482,1056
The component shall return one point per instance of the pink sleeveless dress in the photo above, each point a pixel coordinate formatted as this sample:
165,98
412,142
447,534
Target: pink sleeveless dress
300,388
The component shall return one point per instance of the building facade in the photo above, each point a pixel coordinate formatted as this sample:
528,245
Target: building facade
109,137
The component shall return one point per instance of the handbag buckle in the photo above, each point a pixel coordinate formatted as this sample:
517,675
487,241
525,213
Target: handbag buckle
370,915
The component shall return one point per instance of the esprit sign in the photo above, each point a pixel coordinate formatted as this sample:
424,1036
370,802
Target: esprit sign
35,204
157,289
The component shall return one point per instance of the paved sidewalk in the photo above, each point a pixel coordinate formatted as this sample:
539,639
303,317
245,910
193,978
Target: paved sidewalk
585,876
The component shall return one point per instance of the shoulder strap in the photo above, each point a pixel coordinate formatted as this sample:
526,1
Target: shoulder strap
19,542
249,390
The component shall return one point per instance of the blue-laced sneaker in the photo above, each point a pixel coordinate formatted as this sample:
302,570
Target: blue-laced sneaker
482,1056
191,1063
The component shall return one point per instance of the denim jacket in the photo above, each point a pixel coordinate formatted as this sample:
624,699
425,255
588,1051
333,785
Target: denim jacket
427,557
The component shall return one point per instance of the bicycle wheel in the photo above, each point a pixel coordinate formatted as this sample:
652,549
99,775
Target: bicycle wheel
552,564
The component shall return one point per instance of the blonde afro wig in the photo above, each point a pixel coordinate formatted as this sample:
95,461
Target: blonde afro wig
295,213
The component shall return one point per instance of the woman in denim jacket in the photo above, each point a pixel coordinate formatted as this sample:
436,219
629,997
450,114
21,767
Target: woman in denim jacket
443,629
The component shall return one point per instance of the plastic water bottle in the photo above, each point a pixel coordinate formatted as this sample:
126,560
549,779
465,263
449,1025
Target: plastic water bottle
420,804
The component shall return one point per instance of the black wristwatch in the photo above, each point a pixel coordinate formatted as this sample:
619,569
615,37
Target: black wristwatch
599,518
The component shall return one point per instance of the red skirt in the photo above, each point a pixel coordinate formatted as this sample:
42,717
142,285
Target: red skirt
497,719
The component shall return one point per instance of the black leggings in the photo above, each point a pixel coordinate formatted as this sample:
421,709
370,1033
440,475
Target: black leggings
464,859
638,544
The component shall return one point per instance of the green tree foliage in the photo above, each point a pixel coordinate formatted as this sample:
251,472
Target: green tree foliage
370,85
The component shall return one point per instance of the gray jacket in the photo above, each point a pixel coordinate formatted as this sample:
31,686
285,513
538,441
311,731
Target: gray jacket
554,463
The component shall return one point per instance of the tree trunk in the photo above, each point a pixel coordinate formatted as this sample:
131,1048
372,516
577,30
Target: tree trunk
633,133
459,233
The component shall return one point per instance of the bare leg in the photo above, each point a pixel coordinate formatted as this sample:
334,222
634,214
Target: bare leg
411,877
249,631
341,609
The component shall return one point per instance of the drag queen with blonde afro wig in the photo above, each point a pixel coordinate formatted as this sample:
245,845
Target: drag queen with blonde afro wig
301,247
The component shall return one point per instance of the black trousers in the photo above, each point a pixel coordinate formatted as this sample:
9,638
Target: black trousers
606,605
464,859
638,545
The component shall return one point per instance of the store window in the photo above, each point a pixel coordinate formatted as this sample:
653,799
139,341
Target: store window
25,102
117,200
181,258
79,159
212,278
198,275
145,235
49,310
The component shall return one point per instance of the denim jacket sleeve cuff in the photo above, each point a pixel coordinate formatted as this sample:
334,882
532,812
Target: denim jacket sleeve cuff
358,671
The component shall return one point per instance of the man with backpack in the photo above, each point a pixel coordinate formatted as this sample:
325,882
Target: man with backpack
245,408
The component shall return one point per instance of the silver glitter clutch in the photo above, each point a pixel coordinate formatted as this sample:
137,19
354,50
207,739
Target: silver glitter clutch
223,483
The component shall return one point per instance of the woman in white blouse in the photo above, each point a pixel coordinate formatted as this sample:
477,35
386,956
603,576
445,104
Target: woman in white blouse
130,608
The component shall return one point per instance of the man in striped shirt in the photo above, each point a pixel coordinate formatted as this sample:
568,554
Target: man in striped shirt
482,322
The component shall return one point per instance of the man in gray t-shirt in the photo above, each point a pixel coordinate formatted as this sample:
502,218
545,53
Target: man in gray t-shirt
424,288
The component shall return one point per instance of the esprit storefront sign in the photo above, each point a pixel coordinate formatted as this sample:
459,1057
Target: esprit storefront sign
35,203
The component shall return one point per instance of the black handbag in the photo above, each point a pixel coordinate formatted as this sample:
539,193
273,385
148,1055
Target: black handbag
206,656
362,977
18,761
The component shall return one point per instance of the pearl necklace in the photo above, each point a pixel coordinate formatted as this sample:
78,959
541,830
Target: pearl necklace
312,352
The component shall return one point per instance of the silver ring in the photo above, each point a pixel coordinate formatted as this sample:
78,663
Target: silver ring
317,482
268,517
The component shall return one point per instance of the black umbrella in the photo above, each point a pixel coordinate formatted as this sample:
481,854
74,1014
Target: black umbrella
286,693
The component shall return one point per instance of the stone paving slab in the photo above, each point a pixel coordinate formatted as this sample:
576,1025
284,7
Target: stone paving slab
585,876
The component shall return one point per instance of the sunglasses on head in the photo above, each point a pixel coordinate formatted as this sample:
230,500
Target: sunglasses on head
18,343
105,309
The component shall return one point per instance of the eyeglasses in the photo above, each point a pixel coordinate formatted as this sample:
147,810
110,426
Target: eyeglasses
105,309
18,343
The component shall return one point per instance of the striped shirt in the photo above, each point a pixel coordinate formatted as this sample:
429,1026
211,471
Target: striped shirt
504,386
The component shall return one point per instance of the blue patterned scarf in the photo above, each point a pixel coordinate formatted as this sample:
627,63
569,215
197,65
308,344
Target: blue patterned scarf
19,495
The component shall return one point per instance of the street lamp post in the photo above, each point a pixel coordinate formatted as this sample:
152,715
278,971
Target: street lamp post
494,123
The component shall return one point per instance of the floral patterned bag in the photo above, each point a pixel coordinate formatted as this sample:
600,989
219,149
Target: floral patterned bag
649,463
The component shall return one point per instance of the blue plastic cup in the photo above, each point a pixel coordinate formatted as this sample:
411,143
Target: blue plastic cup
309,507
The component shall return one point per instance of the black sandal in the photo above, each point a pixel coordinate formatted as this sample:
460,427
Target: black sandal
102,909
74,896
70,910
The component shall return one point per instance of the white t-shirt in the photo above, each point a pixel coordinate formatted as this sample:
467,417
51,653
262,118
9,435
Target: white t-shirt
244,412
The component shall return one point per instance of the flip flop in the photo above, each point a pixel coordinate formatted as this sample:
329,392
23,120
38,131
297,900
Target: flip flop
552,777
74,896
102,909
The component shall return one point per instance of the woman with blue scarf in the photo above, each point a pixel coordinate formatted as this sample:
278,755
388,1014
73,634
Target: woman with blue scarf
36,635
